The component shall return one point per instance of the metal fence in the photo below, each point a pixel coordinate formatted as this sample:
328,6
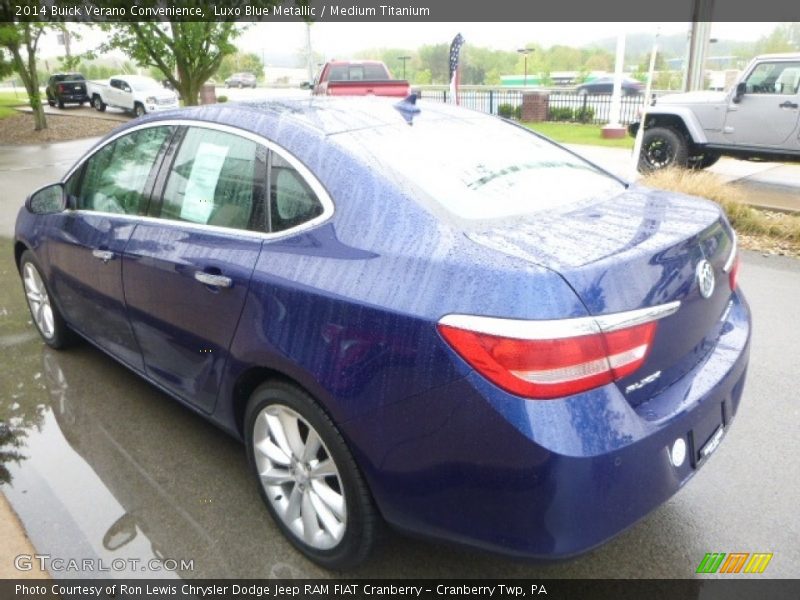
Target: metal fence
568,105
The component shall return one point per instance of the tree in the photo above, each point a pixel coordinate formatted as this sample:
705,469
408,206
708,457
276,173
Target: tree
18,45
186,54
241,61
435,59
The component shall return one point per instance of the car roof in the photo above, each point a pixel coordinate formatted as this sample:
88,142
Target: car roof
318,115
783,56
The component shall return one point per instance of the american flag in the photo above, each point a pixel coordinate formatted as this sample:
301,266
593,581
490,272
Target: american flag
455,54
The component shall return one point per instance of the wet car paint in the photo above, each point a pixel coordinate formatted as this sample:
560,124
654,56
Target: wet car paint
295,341
134,451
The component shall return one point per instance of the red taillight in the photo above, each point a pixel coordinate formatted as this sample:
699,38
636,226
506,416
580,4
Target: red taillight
553,367
60,88
733,276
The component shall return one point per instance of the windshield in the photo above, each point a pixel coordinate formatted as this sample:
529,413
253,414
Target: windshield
145,85
483,168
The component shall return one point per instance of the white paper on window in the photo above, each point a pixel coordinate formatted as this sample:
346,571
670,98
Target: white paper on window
198,200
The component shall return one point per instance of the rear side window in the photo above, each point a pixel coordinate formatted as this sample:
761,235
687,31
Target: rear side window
114,178
217,179
292,201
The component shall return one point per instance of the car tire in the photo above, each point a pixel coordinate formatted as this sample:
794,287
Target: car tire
45,314
703,161
98,104
241,85
662,147
51,102
138,110
330,516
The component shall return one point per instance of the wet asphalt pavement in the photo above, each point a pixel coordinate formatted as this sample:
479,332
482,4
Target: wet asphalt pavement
102,465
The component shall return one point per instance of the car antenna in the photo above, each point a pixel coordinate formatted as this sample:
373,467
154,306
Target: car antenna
408,108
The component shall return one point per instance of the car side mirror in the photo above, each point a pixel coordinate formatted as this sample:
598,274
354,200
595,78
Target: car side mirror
47,200
305,85
741,90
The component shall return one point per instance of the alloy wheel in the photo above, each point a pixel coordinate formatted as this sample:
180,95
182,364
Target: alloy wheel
38,300
299,476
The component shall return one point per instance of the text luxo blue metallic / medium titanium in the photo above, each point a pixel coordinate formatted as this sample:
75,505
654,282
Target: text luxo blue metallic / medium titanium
432,317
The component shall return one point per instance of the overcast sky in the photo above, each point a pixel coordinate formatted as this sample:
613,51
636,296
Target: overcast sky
338,40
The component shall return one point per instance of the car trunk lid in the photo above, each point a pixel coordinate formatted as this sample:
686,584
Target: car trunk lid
637,249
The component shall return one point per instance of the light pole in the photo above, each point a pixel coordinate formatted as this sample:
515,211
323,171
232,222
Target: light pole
525,52
404,59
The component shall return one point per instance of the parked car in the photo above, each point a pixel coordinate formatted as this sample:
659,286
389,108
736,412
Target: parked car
358,78
605,85
135,93
459,327
757,119
64,88
241,80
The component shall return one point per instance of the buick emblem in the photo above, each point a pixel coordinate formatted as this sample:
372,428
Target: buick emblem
705,278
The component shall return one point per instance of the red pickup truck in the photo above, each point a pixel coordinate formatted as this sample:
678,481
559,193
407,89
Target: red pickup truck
358,78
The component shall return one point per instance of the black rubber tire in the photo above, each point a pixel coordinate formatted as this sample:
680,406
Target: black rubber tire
98,104
662,147
61,104
703,161
138,110
50,101
62,336
363,520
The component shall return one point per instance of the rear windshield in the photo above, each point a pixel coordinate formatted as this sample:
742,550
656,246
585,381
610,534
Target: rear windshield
358,73
68,77
483,168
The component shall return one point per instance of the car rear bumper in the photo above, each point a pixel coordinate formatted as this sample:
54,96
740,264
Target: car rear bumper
73,98
545,479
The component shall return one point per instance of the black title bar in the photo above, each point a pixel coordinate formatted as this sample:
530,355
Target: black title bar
400,11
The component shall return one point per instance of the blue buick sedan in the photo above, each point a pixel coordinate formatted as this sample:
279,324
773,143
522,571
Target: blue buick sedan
417,315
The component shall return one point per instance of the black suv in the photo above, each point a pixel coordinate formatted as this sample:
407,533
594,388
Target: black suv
66,87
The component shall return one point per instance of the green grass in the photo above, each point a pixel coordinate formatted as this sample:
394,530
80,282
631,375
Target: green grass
578,133
8,100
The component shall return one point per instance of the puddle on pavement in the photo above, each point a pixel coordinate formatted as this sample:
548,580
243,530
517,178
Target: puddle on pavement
99,464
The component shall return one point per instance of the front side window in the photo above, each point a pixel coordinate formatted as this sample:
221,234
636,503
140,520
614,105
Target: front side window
292,201
217,179
774,78
113,180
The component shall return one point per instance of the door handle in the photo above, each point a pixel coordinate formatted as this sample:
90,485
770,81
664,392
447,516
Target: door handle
104,255
788,104
213,280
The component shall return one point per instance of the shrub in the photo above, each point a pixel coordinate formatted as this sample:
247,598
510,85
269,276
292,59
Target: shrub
584,115
221,99
561,113
509,111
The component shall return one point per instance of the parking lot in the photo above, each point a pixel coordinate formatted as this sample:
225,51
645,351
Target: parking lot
138,476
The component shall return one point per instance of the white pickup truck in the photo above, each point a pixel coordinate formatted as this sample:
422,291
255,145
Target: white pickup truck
137,94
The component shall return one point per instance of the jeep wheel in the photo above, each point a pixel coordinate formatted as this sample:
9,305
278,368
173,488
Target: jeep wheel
703,161
662,147
138,110
98,104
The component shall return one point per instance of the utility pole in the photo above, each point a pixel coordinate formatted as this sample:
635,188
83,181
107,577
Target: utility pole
404,59
525,52
309,54
699,35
